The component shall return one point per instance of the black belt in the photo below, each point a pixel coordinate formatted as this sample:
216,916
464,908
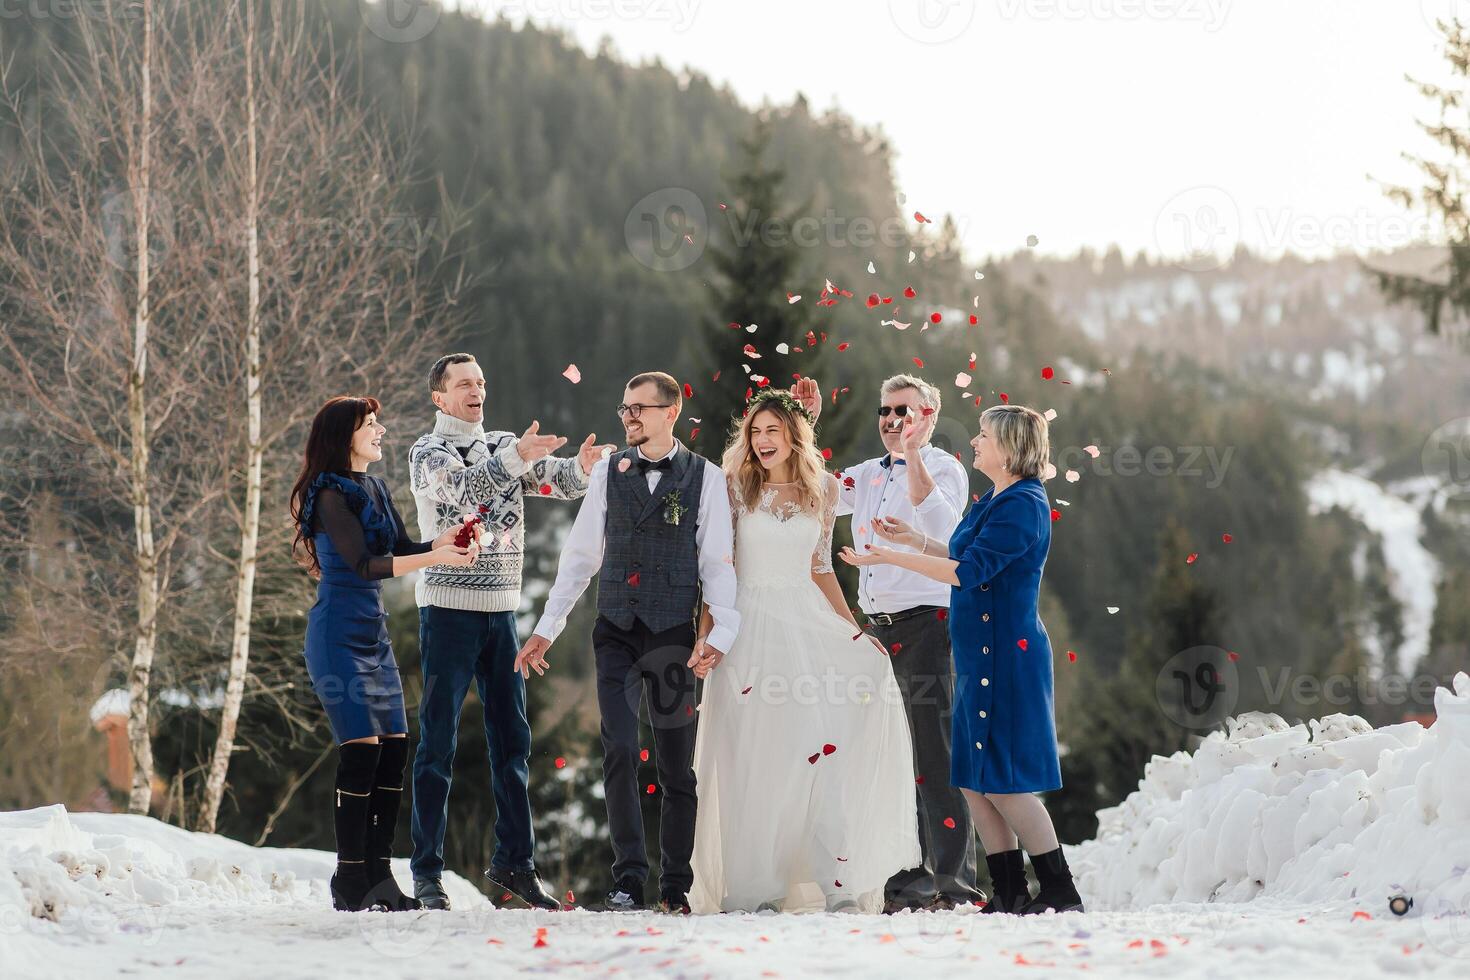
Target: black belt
887,619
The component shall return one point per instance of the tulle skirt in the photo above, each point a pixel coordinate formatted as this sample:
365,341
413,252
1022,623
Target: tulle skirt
804,762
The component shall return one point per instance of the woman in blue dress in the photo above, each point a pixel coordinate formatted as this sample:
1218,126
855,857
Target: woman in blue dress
1004,742
350,536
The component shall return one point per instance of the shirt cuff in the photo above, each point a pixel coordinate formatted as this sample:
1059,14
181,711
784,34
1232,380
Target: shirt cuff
721,638
548,630
511,460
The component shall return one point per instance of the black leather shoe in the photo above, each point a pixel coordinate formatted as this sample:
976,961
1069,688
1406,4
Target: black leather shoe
673,902
525,885
430,894
626,896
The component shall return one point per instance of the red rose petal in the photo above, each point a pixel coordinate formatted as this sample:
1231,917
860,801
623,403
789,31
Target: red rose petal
935,317
908,292
1227,538
1021,643
974,322
921,219
828,748
652,788
1005,398
694,433
643,754
1233,656
949,822
746,691
918,362
919,780
873,300
1056,515
1072,656
633,580
688,390
826,453
943,614
561,763
1192,556
896,647
1047,373
545,489
814,757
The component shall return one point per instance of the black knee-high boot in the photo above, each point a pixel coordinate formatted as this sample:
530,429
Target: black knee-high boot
1058,891
357,763
1008,889
382,822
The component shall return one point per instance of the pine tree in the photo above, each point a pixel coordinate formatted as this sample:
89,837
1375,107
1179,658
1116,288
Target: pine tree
1443,195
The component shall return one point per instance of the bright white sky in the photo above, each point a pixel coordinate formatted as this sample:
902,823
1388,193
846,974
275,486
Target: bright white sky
1085,122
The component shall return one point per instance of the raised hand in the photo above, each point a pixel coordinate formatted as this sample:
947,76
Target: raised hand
590,452
809,394
916,432
532,445
899,532
533,656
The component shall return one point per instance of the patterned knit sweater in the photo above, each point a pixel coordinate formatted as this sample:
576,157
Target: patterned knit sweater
455,469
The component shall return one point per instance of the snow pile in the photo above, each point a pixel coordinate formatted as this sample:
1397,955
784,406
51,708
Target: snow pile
53,863
1338,813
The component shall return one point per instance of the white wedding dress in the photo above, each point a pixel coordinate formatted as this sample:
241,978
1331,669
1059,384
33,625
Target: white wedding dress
803,759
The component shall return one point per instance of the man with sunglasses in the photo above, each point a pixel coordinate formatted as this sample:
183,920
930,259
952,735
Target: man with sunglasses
655,529
928,489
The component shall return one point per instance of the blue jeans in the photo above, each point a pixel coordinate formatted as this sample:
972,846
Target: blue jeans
457,646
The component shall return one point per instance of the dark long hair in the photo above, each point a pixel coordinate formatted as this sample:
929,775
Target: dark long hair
328,450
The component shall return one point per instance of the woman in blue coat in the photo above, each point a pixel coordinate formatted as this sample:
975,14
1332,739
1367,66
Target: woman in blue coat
350,536
1004,742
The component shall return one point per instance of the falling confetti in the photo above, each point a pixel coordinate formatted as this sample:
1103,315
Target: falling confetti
561,763
921,219
1047,373
908,292
1072,656
643,754
652,788
1193,555
962,380
828,748
872,269
949,822
572,374
793,297
1032,241
1021,643
1227,538
1073,476
545,489
918,362
1112,610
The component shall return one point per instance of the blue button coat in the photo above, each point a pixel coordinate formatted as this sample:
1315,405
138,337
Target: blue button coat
1004,730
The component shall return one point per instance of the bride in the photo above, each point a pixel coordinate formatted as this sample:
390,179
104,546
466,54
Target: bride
803,760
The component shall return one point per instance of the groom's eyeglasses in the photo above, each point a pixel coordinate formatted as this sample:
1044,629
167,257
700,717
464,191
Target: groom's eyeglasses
633,411
899,410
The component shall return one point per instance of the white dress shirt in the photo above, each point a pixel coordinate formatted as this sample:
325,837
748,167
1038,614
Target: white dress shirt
581,555
871,490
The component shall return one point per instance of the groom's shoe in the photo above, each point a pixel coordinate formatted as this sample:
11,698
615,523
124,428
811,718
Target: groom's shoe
626,896
673,902
430,894
525,885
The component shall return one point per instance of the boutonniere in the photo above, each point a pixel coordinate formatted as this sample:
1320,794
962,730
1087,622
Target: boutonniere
673,510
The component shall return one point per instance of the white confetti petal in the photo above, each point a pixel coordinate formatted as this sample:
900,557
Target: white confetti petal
794,298
1050,415
1091,451
1073,476
979,274
752,328
1050,473
782,349
896,325
911,256
962,380
572,374
872,269
1112,610
1032,241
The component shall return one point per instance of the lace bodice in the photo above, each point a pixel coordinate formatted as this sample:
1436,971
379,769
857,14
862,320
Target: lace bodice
781,539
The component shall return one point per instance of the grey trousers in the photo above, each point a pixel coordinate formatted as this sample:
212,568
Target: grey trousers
925,674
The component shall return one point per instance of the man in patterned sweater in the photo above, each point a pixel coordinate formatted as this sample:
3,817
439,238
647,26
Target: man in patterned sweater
467,628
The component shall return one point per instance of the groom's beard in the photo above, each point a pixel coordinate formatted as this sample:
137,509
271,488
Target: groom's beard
636,440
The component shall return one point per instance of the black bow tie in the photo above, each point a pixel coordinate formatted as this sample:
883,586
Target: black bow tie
644,465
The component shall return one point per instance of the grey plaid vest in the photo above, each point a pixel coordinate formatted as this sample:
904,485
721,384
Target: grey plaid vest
650,564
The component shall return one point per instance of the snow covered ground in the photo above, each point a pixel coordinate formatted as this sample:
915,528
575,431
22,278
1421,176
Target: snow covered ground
1271,849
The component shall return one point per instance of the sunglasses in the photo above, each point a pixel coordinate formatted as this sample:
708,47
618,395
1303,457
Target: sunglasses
899,410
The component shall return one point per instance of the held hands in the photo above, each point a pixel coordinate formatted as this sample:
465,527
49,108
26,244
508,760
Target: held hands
704,659
532,445
899,532
533,656
809,395
590,453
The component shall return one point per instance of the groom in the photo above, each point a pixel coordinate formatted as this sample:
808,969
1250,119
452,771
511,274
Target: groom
655,528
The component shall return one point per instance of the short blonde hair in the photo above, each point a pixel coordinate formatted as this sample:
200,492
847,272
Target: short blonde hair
928,394
1021,435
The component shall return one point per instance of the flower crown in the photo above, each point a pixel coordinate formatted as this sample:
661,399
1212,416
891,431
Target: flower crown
785,398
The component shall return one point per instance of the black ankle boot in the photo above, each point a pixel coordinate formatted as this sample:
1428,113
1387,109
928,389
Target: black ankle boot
357,763
1009,891
1058,892
387,792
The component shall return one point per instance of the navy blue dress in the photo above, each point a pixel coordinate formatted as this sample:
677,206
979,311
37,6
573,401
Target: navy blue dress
1004,731
357,531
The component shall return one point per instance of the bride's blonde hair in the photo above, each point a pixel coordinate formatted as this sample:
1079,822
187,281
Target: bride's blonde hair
743,469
